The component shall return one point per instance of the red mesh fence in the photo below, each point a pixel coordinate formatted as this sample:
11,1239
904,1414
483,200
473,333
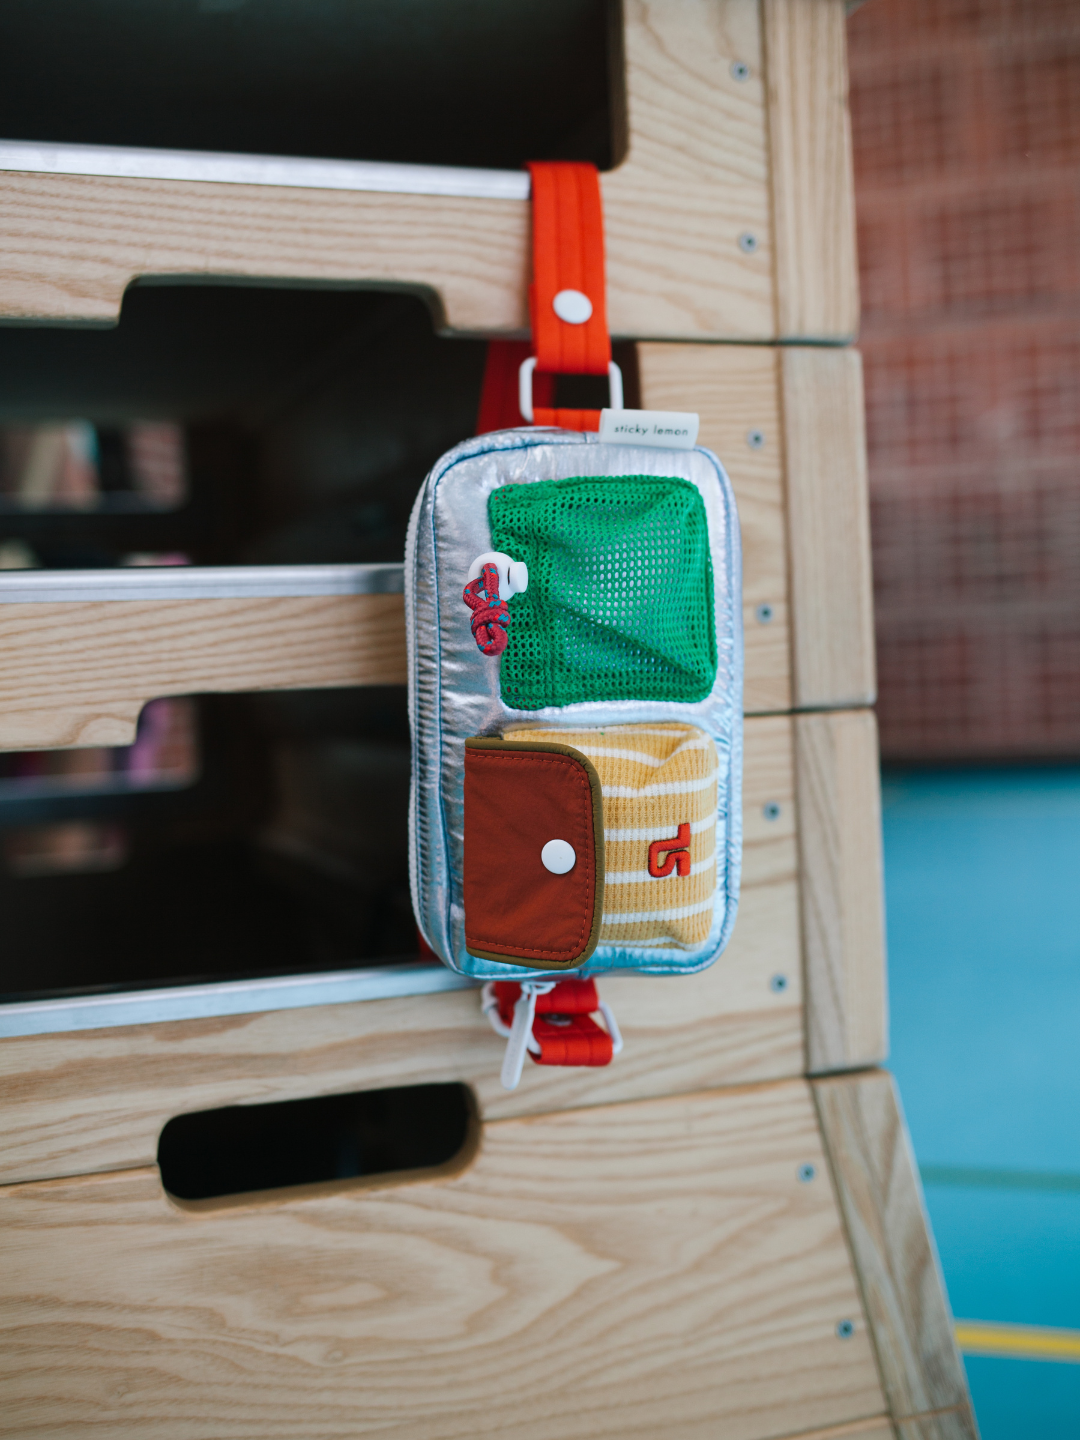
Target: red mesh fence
966,117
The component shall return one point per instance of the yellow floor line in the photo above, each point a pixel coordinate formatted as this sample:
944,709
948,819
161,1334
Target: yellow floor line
1017,1342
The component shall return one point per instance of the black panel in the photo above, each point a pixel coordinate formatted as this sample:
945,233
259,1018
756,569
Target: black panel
472,82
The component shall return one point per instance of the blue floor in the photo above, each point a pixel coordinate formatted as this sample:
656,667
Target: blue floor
982,875
982,883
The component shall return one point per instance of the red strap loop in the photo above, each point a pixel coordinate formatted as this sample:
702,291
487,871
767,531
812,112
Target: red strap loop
569,997
577,1040
567,419
499,392
563,1026
568,273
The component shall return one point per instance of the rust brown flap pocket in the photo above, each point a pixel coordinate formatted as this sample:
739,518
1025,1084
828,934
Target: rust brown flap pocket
534,853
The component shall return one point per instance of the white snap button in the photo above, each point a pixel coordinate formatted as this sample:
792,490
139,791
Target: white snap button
572,306
558,856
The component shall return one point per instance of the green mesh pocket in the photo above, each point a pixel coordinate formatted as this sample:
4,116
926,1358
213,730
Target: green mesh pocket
620,597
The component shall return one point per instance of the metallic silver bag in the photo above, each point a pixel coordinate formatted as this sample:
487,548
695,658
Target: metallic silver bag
457,693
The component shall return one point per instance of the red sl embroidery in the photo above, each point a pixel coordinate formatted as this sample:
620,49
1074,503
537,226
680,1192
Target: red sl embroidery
678,854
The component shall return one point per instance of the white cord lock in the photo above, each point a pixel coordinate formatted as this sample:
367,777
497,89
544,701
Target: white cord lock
513,574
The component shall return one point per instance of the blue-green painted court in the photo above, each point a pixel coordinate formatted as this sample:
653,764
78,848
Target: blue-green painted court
982,875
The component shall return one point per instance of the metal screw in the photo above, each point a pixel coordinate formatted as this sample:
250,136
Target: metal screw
806,1173
845,1329
740,70
747,243
764,614
755,439
778,983
771,811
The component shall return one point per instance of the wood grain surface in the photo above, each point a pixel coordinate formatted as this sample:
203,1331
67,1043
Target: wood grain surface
643,1270
735,391
71,244
881,1199
842,889
695,179
78,673
956,1424
828,511
813,190
96,1100
879,1429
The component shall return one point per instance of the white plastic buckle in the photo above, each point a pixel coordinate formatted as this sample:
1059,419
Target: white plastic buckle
525,383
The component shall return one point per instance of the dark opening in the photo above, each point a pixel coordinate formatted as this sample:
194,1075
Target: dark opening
476,82
249,1148
308,419
243,835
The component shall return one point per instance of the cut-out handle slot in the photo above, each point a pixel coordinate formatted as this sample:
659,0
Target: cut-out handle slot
215,1155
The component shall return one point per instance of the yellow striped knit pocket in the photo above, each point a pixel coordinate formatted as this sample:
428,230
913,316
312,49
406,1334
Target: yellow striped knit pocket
659,803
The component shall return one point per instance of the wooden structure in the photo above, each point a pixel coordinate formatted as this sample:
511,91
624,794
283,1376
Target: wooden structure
715,158
721,1234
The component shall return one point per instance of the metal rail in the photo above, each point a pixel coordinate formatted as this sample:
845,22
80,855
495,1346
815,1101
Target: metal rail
198,582
127,162
226,997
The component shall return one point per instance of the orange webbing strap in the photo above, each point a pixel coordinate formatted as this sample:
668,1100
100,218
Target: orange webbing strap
567,302
567,419
568,258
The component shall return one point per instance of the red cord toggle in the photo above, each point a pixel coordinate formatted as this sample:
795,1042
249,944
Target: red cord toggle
571,1040
490,615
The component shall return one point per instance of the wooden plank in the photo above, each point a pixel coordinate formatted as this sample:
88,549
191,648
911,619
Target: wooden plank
879,1429
735,390
695,180
72,244
947,1425
694,186
96,1100
881,1199
79,673
642,1270
828,528
843,911
813,190
803,501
